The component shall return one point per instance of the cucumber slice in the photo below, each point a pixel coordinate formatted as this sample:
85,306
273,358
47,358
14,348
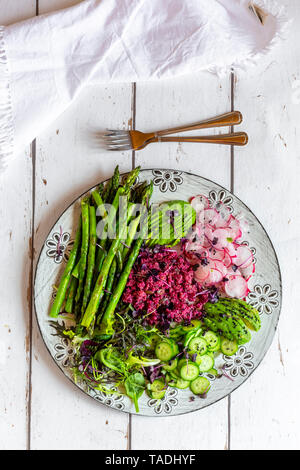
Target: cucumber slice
182,362
192,334
207,362
229,348
200,385
174,347
153,339
171,365
213,372
182,384
164,351
213,340
190,371
194,324
157,389
198,345
211,354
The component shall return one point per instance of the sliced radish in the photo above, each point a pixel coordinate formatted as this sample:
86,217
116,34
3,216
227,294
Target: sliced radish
223,211
234,225
248,272
202,273
244,256
199,203
215,276
227,259
237,287
214,254
220,238
208,216
244,224
219,266
230,250
233,270
200,230
209,233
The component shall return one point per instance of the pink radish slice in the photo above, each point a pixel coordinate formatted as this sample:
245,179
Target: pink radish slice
243,222
214,254
234,234
209,233
235,227
200,230
233,271
215,276
223,211
219,266
227,259
202,273
220,238
244,256
208,216
230,250
247,272
199,202
236,287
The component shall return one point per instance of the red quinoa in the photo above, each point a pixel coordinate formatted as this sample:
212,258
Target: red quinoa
161,285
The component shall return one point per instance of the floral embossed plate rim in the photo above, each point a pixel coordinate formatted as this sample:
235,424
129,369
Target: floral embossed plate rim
265,295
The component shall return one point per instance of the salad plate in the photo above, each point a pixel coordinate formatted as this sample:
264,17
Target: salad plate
264,295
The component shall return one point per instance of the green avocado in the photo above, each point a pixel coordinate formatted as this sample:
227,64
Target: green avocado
169,222
217,325
245,311
229,322
217,318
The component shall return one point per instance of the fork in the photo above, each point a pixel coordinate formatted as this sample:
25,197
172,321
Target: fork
118,140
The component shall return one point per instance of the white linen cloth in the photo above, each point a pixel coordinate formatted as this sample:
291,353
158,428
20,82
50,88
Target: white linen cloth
45,61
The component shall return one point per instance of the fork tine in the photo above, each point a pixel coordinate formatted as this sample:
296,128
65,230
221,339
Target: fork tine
116,148
116,139
116,132
118,144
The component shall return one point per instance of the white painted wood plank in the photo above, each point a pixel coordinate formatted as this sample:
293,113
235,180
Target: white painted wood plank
163,105
69,161
265,411
15,232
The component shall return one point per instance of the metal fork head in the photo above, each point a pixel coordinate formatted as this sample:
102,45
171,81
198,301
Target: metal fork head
116,140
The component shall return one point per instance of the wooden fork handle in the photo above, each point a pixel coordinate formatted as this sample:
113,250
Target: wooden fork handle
237,138
228,119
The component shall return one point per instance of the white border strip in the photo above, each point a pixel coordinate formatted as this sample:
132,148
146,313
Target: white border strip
6,115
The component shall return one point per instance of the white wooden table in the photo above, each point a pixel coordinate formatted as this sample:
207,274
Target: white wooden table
39,408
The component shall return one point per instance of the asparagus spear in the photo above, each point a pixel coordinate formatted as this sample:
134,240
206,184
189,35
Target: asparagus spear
106,191
62,289
139,190
71,295
97,294
100,251
91,257
115,181
130,178
108,288
75,272
146,195
98,200
101,189
119,258
100,254
84,247
106,326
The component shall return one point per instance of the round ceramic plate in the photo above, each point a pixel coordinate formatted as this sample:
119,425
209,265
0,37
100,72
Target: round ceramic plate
265,295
